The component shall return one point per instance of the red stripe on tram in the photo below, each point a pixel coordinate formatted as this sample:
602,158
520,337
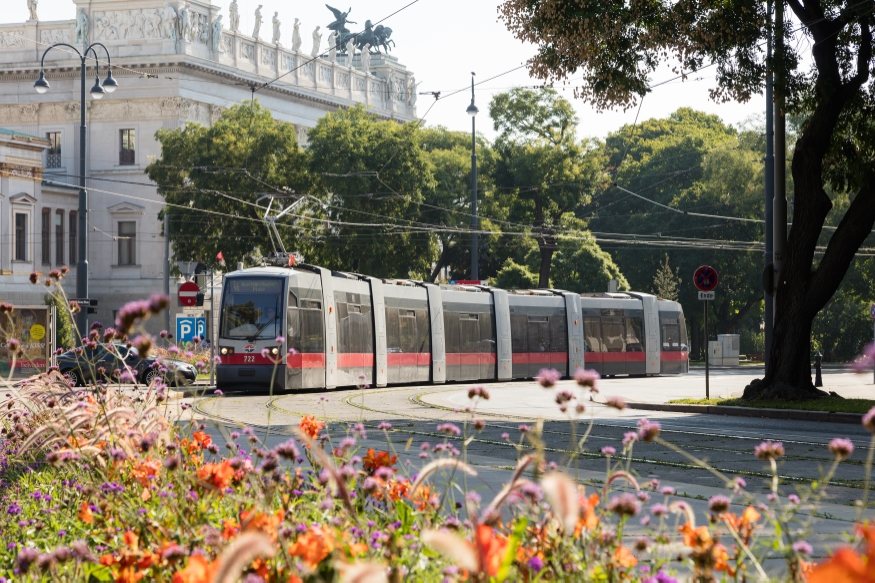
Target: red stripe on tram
355,360
539,357
470,358
673,356
306,360
408,359
614,357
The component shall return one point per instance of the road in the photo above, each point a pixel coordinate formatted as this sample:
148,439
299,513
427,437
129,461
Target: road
726,443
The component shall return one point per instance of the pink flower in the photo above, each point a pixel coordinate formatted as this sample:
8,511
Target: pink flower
548,377
769,450
648,430
869,420
586,378
624,505
608,450
616,402
841,448
629,438
718,504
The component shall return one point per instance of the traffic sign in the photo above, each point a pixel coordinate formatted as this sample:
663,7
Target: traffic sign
707,296
705,278
187,327
188,293
84,302
872,311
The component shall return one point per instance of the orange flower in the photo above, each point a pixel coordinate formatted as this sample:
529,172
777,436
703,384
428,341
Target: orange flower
202,439
423,498
132,541
294,579
313,546
696,538
623,558
198,570
588,519
85,514
219,475
229,529
490,548
130,575
261,521
378,459
399,489
848,566
145,470
310,426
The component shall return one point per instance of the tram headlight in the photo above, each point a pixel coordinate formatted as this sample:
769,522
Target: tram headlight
224,351
274,351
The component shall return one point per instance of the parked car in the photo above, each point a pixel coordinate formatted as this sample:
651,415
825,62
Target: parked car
100,363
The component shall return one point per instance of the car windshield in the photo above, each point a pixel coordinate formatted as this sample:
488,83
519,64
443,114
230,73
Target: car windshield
252,308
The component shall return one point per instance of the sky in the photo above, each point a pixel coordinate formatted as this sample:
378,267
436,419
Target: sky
442,42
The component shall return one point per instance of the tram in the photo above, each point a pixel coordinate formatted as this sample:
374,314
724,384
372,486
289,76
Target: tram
307,327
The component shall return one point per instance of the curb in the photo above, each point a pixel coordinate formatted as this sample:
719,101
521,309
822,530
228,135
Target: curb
791,414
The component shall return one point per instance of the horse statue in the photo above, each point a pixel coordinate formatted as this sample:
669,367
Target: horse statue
381,35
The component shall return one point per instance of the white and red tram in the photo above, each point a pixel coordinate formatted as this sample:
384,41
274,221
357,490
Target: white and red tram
344,325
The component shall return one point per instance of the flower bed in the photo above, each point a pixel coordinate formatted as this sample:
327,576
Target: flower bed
100,483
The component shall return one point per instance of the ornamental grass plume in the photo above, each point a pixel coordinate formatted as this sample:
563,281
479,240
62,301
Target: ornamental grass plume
240,553
561,493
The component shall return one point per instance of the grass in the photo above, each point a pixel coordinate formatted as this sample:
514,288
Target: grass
831,404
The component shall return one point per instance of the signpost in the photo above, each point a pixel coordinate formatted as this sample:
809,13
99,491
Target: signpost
188,293
705,279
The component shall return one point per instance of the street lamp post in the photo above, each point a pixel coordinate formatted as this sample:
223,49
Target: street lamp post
475,222
97,92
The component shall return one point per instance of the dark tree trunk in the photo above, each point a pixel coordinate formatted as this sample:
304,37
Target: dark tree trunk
546,243
441,262
803,291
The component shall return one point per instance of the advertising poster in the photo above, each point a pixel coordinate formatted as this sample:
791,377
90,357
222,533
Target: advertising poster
31,326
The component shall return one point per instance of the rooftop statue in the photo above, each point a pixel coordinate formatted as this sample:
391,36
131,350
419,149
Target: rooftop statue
81,30
340,22
234,15
257,22
31,5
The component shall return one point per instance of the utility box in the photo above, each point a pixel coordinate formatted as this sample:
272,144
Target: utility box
715,353
731,348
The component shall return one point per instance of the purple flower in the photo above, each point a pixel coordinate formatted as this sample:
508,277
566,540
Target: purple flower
26,557
13,509
127,378
587,378
624,505
648,430
218,392
718,504
524,428
608,450
548,377
535,564
280,339
629,438
841,448
449,429
659,509
667,491
802,547
505,436
384,426
769,450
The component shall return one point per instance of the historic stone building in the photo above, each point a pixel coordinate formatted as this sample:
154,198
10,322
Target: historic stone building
175,61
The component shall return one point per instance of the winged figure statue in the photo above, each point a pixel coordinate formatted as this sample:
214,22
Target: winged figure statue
341,20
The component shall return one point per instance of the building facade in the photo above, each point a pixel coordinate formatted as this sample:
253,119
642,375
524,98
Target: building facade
175,62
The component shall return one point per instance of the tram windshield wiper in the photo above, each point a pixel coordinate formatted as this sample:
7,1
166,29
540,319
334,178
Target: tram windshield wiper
263,326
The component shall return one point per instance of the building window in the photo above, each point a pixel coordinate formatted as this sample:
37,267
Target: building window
53,156
127,243
128,147
20,237
47,236
59,236
74,225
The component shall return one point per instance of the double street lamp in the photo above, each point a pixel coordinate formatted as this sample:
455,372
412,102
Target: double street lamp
97,92
475,222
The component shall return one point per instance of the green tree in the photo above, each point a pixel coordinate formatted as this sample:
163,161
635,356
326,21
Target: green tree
65,328
224,169
549,171
616,46
448,202
666,281
372,175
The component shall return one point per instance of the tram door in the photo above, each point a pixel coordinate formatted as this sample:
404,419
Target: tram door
469,340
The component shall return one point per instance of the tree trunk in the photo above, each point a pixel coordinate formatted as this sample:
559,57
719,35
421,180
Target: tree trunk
546,243
802,290
441,262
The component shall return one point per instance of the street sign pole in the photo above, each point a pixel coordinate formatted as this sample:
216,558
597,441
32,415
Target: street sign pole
211,328
707,353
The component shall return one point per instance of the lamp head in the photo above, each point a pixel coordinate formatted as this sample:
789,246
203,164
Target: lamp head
110,84
41,84
97,92
472,109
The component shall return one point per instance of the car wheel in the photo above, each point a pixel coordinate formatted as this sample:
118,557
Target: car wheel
75,377
150,375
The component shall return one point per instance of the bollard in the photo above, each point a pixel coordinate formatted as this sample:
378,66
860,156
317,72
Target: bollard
818,380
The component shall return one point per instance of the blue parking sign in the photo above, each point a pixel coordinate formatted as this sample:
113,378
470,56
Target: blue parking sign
187,327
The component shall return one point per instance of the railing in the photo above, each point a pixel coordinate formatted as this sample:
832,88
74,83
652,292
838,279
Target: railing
126,158
53,161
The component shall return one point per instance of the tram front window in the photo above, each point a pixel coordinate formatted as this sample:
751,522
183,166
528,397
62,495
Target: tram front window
252,309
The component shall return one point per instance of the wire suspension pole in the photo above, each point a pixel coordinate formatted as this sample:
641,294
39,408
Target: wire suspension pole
769,308
475,221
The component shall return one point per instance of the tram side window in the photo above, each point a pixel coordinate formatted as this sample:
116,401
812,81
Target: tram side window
592,334
451,332
539,334
685,344
469,332
671,334
393,339
423,332
355,329
634,334
407,328
613,334
367,329
487,333
343,338
559,332
518,333
305,327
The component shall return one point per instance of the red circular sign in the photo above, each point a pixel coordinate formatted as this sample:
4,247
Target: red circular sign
705,278
188,293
